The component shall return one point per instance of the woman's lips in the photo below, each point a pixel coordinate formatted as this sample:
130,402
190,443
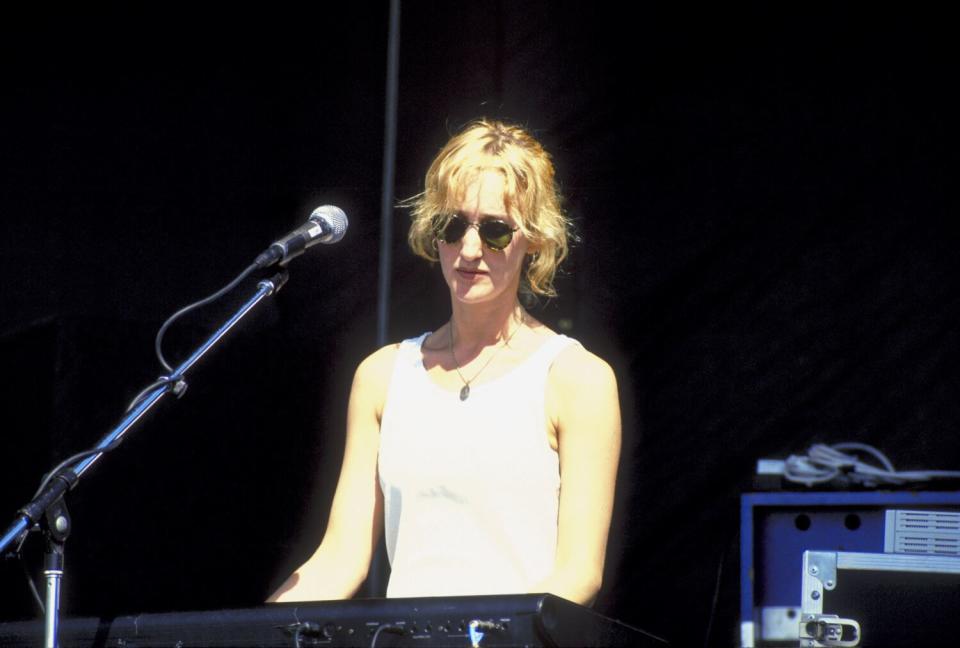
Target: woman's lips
470,275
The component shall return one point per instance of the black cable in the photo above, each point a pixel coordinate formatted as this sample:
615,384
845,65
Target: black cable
70,460
18,553
161,381
716,595
33,586
158,343
43,484
386,627
52,474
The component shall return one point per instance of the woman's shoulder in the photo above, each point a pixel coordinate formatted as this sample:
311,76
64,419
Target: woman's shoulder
379,364
382,358
372,377
572,367
582,394
577,369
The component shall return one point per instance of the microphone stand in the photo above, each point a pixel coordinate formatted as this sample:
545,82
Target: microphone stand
48,509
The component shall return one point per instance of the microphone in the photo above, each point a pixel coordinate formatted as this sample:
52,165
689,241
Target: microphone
327,224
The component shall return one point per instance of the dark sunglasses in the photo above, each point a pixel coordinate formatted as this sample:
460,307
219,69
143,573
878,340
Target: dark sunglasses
495,234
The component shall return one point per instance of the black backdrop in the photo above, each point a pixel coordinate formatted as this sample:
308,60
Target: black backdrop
765,201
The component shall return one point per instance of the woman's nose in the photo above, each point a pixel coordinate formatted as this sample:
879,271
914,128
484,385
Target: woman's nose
471,247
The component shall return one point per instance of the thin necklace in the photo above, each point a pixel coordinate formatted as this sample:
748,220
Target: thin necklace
465,390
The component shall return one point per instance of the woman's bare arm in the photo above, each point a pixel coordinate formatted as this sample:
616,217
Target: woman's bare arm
340,564
584,408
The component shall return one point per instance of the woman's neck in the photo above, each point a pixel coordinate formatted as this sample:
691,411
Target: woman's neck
474,326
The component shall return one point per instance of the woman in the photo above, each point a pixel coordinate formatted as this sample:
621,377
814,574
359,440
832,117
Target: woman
487,449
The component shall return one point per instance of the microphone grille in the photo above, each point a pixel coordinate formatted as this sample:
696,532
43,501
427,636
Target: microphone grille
335,218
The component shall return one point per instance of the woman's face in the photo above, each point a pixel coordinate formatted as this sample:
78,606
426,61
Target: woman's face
474,273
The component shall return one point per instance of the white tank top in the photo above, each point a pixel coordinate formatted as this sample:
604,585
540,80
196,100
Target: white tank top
470,488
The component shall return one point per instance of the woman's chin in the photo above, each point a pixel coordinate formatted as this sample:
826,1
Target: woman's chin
481,288
472,292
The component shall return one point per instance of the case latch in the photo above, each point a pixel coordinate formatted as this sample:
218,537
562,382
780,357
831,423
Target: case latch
828,630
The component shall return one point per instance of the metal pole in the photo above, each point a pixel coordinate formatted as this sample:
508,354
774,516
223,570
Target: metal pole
376,582
389,165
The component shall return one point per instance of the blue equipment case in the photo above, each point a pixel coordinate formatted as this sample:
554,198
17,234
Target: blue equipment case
776,528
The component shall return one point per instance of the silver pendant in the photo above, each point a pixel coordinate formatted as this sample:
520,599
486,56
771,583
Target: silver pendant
465,392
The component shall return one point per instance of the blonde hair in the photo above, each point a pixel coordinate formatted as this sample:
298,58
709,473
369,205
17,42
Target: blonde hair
531,194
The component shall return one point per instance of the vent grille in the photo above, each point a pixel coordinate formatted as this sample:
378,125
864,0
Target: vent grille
922,532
